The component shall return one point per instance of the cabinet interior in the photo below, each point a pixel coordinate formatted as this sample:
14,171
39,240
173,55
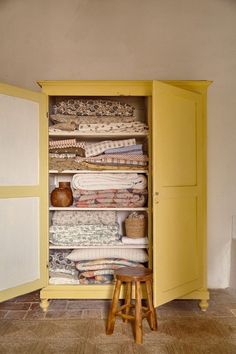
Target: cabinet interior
142,112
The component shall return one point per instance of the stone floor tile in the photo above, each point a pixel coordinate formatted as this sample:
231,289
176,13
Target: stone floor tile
35,306
91,313
8,305
3,313
30,297
87,304
64,314
35,314
57,305
233,312
16,315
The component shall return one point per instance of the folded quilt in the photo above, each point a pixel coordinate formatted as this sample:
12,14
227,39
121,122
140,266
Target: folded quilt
63,164
67,126
133,127
105,263
66,143
63,121
73,218
134,202
98,279
58,262
108,181
131,254
120,159
126,149
85,235
92,107
98,148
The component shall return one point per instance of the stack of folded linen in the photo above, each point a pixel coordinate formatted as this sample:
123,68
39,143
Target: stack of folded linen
61,269
97,266
83,228
117,154
95,116
110,190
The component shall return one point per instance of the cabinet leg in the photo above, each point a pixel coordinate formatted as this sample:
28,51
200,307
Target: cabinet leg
203,305
44,304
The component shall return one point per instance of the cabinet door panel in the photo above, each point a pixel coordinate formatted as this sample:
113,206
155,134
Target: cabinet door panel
23,191
177,186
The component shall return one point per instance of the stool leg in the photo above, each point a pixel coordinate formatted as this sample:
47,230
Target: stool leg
152,319
112,312
138,313
127,299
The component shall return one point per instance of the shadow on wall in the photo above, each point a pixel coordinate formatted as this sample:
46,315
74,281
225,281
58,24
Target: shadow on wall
232,282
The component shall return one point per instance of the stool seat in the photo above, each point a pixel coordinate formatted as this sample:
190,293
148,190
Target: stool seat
136,276
133,274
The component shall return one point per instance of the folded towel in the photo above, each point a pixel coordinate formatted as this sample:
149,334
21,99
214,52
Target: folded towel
134,241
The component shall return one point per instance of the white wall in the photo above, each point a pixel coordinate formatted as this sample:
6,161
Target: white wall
136,39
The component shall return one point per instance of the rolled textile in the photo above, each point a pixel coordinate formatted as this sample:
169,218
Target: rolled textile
108,180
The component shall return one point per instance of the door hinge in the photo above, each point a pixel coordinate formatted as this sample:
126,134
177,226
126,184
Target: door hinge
47,114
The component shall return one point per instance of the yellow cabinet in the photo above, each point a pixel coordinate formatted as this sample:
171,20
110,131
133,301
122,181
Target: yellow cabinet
176,115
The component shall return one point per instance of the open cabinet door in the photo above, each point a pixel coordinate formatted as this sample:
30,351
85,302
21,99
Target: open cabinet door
23,191
178,203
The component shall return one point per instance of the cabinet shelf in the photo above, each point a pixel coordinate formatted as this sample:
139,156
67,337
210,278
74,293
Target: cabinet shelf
54,172
53,247
97,135
121,209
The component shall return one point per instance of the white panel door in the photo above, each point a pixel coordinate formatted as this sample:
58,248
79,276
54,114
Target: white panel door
23,191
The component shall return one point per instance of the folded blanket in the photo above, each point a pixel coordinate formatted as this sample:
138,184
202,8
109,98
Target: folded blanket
73,218
62,280
108,180
131,254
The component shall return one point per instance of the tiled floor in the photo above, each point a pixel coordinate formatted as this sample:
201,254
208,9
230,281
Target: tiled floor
78,326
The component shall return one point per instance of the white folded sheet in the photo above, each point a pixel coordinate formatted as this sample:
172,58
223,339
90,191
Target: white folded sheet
97,181
135,241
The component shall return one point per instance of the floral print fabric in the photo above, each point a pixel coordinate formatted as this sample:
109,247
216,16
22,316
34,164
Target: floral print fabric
92,107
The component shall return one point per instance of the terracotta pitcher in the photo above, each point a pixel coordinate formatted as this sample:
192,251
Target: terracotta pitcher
62,196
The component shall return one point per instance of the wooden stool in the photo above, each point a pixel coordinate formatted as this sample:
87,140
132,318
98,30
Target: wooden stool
135,275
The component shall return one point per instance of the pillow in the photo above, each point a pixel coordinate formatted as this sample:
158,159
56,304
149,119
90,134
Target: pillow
133,254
